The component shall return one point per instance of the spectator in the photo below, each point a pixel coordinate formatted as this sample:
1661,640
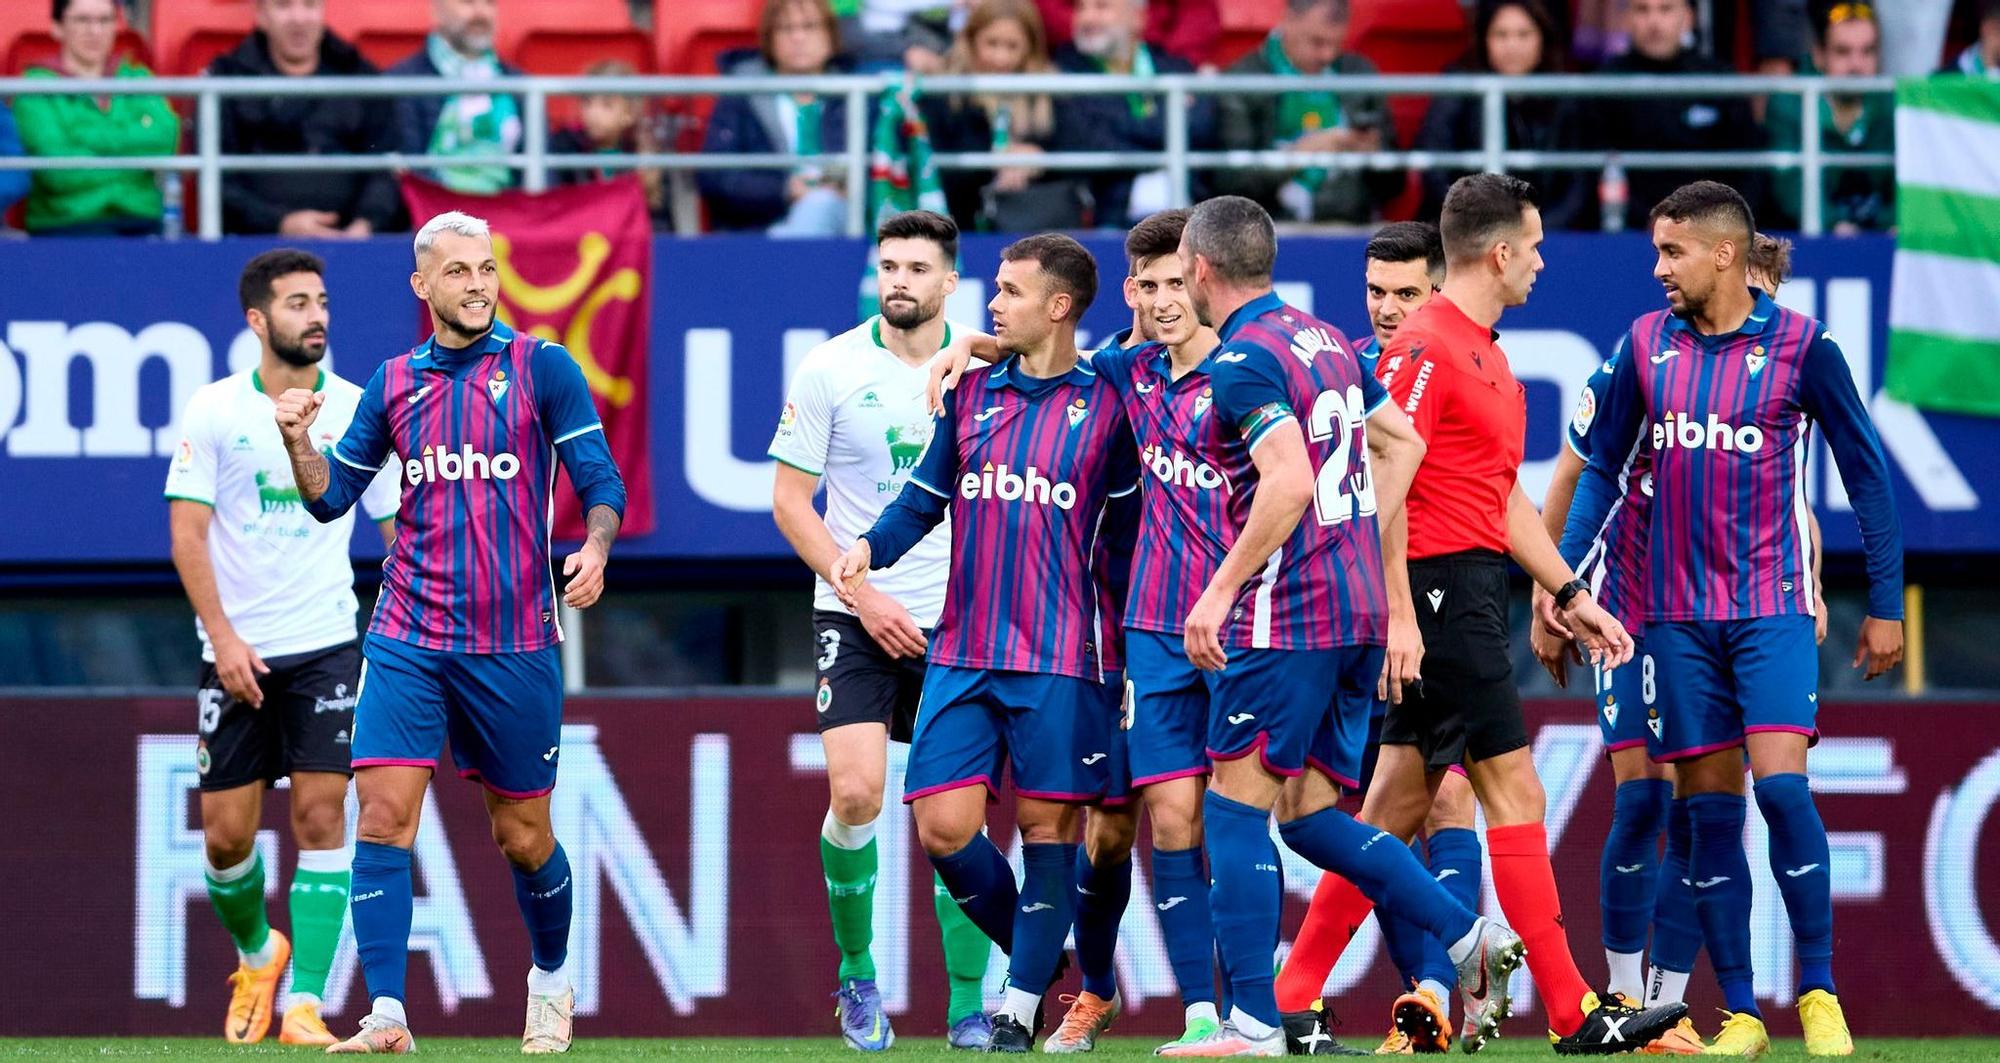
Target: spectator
1512,38
1660,31
1981,58
291,40
1913,35
460,47
1186,28
13,183
93,202
610,124
1847,42
794,37
885,34
1004,37
1307,42
1109,40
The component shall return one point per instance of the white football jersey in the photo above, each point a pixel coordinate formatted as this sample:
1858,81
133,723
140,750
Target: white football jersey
855,417
286,580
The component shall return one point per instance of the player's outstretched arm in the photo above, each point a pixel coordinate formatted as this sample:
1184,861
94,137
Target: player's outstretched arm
1554,651
1582,618
952,362
1284,490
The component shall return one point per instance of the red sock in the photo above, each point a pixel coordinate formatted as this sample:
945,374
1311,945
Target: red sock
1337,911
1526,887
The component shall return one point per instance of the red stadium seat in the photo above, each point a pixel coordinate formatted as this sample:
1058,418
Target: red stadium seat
25,39
1408,37
385,31
694,32
189,34
566,38
1245,24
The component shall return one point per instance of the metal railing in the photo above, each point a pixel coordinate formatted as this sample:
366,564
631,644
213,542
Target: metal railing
1178,159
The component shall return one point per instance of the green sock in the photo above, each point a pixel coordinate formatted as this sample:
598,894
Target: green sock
966,950
319,906
239,903
850,894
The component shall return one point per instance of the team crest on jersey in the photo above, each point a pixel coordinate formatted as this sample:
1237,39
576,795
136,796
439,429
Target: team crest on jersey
1586,412
1145,388
1307,343
1077,411
1203,401
1755,360
242,444
497,386
871,401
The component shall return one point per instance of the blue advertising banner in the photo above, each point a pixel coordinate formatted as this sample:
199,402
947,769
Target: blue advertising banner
102,342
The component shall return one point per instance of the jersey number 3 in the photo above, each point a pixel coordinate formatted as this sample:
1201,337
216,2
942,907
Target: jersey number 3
1341,494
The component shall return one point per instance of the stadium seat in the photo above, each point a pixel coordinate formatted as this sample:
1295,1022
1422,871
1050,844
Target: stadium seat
189,34
558,39
1245,24
1408,37
385,31
700,30
25,39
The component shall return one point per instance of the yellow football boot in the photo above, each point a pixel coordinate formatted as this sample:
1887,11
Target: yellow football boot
1825,1025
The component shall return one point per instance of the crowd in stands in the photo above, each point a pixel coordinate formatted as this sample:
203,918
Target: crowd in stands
1287,38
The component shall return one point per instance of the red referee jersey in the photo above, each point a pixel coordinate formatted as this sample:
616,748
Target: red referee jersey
1453,382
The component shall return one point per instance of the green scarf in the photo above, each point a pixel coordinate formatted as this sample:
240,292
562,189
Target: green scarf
1143,104
900,173
1300,113
473,124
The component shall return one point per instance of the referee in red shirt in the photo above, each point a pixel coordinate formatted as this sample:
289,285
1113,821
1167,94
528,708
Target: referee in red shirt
1466,515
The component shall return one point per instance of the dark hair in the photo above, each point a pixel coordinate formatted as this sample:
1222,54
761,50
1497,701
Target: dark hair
1408,241
767,23
1711,203
1989,10
1771,256
1481,209
1294,8
1068,264
1157,235
1537,12
1236,236
921,225
254,288
1853,11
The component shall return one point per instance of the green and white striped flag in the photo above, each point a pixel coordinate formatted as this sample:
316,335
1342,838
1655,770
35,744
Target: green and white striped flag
1944,306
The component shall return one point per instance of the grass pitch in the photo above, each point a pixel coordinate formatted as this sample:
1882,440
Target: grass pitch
829,1050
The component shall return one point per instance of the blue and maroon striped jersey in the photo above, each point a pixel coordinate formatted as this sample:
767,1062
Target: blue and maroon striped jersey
1729,420
479,432
1183,527
1025,466
1615,567
1324,587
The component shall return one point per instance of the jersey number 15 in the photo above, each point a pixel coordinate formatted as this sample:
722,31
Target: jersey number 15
1341,493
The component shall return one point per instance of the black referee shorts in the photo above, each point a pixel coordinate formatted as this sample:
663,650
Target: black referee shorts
1467,704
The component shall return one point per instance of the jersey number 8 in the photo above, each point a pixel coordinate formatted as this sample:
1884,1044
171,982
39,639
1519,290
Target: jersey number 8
1338,494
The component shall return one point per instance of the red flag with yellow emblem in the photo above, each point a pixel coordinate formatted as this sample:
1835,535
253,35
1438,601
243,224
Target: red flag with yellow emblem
576,268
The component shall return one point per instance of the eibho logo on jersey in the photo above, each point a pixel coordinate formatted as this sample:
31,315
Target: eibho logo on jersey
1003,483
1679,431
466,463
1177,469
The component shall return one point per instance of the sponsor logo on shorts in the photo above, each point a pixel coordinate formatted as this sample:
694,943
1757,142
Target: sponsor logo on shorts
551,754
341,701
1038,906
1093,758
1241,718
1436,598
1169,903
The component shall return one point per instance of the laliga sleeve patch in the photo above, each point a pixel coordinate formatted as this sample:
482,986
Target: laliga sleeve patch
1586,412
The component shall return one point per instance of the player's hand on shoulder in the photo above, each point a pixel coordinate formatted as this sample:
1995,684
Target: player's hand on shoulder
850,570
585,570
946,369
1880,647
297,408
888,623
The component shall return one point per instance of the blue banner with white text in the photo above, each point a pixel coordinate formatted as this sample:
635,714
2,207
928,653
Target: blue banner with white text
102,342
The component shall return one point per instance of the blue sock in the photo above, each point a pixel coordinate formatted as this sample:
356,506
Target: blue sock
1381,867
983,885
544,896
381,908
1721,875
1676,928
1043,918
1248,889
1628,875
1101,896
1180,896
1801,863
1456,863
1405,942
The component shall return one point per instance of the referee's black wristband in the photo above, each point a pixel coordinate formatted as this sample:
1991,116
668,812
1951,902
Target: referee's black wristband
1567,593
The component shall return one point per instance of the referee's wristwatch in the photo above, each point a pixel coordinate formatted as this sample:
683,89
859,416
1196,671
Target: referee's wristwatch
1567,593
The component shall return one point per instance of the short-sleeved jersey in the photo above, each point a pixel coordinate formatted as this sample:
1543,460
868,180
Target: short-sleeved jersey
856,416
1324,587
1027,466
477,437
1729,420
1184,530
1616,565
285,580
1368,351
1452,380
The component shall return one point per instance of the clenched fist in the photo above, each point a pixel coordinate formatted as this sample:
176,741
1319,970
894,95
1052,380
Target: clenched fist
297,408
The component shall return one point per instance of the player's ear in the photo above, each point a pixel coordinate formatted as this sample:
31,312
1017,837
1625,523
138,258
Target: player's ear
257,322
418,285
1059,305
950,281
1132,293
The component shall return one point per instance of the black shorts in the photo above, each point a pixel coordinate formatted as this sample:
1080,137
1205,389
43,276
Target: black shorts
859,682
1467,705
306,724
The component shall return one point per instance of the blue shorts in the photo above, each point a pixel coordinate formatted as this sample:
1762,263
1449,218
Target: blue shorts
1054,732
503,712
1707,683
1169,719
1117,691
1622,702
1296,708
